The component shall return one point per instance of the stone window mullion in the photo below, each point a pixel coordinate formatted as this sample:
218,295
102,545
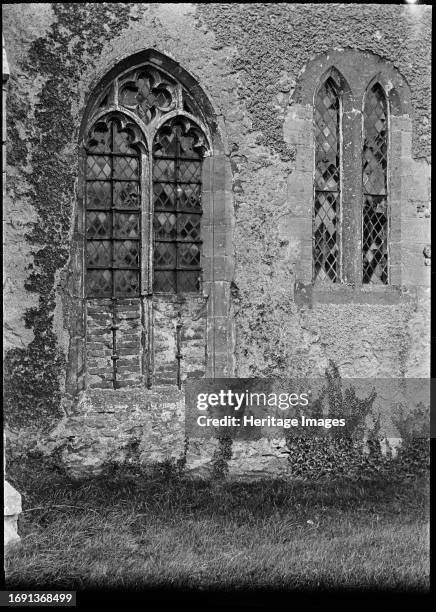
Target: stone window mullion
351,219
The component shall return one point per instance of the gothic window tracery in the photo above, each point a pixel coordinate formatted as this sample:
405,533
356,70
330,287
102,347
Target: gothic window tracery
143,151
350,243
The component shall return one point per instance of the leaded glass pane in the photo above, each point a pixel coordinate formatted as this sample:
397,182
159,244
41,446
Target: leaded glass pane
375,217
125,167
189,226
326,237
126,254
123,142
100,140
126,282
98,224
189,255
165,255
327,183
99,283
164,170
177,191
375,240
112,183
167,143
190,171
164,196
165,225
98,167
126,225
126,195
187,147
98,194
99,253
164,281
190,197
188,282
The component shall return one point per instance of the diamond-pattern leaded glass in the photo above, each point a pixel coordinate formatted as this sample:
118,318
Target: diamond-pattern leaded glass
98,167
125,167
112,231
327,183
190,171
164,196
99,283
126,225
98,224
189,227
164,281
126,195
98,194
164,224
375,216
126,283
164,170
190,197
189,255
126,253
98,253
177,192
165,255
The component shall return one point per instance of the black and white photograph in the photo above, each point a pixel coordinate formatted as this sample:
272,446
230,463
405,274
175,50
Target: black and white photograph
216,303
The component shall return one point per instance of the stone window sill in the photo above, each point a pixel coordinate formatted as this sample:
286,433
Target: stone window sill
308,294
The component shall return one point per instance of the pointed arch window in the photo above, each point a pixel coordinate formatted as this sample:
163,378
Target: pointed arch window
326,217
351,200
113,203
177,166
143,149
375,213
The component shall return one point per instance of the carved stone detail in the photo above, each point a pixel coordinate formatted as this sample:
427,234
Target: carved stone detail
148,93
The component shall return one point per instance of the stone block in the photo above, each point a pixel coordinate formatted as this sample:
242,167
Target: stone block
12,509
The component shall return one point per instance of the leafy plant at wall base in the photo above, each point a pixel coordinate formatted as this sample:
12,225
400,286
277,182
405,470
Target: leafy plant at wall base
221,457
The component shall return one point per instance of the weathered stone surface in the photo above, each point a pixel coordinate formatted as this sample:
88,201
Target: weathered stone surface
251,61
12,509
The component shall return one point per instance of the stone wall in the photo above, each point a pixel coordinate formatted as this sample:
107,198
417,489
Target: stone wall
251,62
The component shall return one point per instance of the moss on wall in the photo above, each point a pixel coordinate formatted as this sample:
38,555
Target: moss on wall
275,40
33,375
248,59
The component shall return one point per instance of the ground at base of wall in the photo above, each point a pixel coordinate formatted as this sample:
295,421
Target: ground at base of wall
154,531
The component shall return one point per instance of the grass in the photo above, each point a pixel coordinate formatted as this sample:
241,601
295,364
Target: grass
127,531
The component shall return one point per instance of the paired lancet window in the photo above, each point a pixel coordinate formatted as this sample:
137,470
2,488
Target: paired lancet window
329,216
143,160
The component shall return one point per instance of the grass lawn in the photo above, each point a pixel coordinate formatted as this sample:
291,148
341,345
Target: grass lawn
126,531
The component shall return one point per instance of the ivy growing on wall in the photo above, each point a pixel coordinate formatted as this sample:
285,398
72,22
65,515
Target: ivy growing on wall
33,374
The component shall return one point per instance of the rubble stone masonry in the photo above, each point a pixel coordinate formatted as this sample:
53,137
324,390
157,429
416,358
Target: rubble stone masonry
255,68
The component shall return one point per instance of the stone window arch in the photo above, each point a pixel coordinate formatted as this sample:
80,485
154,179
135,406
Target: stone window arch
361,231
147,259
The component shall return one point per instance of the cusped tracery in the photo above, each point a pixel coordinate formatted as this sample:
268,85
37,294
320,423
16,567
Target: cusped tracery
147,92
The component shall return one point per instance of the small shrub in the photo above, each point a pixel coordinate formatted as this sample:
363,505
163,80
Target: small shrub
357,453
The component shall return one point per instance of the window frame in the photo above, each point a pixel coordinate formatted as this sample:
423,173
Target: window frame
369,87
331,74
359,70
108,90
218,261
